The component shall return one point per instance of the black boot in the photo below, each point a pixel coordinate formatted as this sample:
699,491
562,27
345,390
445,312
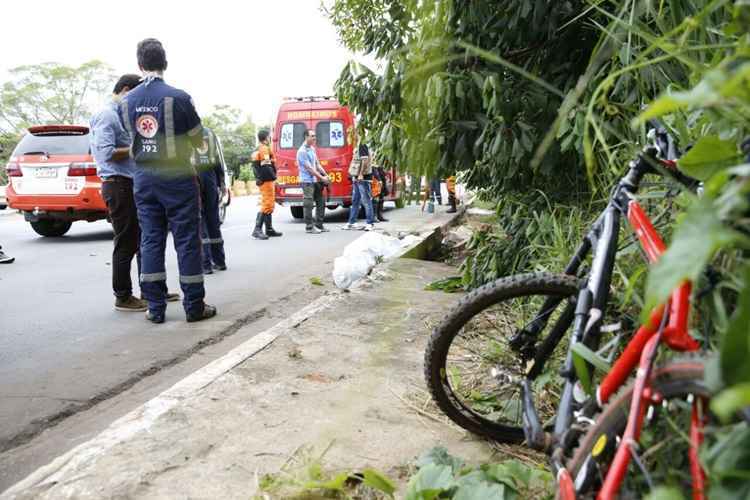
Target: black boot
379,215
270,231
258,231
452,203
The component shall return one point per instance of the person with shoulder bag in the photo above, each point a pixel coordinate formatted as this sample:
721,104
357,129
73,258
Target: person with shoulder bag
360,172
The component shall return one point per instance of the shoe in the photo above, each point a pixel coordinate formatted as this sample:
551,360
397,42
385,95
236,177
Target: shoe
155,318
370,227
322,229
258,231
208,270
208,312
5,259
220,267
313,230
452,203
350,227
130,304
270,231
172,297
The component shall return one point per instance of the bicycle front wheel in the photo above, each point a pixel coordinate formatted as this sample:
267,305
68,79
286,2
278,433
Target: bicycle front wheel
473,374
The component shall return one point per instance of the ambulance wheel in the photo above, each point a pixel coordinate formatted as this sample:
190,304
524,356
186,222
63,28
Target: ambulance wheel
51,227
298,212
400,203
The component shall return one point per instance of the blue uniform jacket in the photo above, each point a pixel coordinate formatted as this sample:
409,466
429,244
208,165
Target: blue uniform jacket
161,121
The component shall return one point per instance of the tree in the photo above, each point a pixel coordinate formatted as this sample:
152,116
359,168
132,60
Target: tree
52,93
236,132
514,94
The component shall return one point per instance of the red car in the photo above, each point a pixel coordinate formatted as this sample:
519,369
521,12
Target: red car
52,179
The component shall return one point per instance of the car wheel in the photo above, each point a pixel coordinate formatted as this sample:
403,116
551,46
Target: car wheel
222,213
297,212
51,227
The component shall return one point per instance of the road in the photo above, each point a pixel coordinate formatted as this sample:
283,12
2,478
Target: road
63,348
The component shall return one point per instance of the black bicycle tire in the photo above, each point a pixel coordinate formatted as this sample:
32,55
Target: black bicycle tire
678,377
442,336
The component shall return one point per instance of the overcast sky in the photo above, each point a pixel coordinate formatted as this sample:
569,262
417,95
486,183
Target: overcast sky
248,54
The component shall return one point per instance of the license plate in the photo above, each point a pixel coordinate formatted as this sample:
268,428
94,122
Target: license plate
45,173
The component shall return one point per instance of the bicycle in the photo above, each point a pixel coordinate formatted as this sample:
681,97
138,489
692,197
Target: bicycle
516,360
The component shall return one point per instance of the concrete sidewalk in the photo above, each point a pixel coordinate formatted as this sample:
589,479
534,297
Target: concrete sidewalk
343,374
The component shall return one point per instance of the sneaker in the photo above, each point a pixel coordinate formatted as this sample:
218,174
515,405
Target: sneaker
130,304
208,270
173,297
313,230
208,312
5,259
154,317
370,227
349,227
322,229
220,267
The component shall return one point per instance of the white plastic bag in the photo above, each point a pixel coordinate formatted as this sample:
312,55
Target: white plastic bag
348,269
361,255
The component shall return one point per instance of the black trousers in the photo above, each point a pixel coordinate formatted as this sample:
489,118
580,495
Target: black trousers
118,195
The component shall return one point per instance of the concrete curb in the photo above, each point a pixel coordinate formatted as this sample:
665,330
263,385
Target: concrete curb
143,417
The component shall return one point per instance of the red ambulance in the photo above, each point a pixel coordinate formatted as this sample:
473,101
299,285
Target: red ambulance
334,128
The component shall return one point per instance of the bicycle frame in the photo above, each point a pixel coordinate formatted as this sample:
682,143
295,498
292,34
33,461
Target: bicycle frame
588,315
642,350
667,323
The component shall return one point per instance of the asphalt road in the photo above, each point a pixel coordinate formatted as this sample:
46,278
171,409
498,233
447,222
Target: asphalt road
62,344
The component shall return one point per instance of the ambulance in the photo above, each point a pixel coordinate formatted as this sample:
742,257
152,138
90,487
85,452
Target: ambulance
334,129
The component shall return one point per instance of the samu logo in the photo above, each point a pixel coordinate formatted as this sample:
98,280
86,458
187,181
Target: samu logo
147,126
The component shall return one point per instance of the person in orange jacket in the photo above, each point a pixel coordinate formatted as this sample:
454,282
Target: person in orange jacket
265,175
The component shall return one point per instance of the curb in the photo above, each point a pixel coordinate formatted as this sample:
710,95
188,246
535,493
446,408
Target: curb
422,249
143,417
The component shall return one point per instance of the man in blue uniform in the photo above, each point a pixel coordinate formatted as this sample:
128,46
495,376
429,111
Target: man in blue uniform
211,177
165,128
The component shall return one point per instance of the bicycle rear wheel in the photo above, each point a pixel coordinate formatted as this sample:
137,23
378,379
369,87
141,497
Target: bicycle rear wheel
662,448
473,374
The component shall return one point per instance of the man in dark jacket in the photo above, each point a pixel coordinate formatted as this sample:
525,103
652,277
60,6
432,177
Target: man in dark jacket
211,177
165,128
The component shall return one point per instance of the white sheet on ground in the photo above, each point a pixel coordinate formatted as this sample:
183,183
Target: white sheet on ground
361,255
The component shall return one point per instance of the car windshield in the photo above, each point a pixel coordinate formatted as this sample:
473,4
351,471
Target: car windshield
67,144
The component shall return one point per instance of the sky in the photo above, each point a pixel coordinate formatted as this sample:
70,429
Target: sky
248,54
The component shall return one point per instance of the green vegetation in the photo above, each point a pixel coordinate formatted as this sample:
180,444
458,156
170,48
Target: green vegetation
236,133
539,105
438,475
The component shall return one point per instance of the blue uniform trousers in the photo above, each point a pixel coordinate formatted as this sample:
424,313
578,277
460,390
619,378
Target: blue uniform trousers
169,203
213,243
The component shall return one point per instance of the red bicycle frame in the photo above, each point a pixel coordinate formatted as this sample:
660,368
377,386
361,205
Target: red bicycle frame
641,352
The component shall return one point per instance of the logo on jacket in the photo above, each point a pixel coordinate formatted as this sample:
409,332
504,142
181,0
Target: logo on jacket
147,126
